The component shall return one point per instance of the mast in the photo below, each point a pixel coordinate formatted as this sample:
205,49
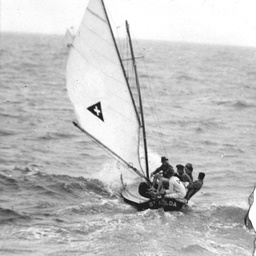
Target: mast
140,100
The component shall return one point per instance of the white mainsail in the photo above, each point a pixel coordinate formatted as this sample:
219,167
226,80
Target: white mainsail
98,89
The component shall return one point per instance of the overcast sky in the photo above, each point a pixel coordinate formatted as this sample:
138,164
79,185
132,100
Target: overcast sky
206,21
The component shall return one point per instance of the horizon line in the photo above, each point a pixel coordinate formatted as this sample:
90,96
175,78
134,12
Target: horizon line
142,39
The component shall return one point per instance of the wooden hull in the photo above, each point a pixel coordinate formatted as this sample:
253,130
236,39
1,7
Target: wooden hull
132,195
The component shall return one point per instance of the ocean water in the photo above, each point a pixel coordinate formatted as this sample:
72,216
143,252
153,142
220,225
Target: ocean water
60,193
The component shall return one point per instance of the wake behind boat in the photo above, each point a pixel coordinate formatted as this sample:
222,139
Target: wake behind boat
100,91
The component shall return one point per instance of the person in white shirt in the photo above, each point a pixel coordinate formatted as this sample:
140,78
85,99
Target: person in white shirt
176,188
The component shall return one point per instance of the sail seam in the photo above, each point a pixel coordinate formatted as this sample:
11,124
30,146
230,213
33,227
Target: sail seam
96,15
95,34
84,57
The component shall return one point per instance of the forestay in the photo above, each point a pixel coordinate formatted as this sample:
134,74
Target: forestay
98,89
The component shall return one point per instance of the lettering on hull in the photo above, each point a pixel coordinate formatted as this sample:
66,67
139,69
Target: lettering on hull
162,203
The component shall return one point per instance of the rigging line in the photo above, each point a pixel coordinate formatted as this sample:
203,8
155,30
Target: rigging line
120,42
157,121
160,133
140,100
131,78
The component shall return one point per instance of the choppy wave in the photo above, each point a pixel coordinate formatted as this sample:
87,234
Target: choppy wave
195,249
76,207
91,194
8,215
239,104
242,104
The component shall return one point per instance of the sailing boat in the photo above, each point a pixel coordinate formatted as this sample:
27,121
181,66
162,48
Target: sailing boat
69,37
104,104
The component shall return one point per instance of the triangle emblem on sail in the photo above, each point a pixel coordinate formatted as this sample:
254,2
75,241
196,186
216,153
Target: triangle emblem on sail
96,110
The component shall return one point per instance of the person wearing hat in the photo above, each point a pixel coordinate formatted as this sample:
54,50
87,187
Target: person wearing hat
161,173
182,175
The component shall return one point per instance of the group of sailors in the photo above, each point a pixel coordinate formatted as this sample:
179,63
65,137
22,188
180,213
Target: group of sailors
178,185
